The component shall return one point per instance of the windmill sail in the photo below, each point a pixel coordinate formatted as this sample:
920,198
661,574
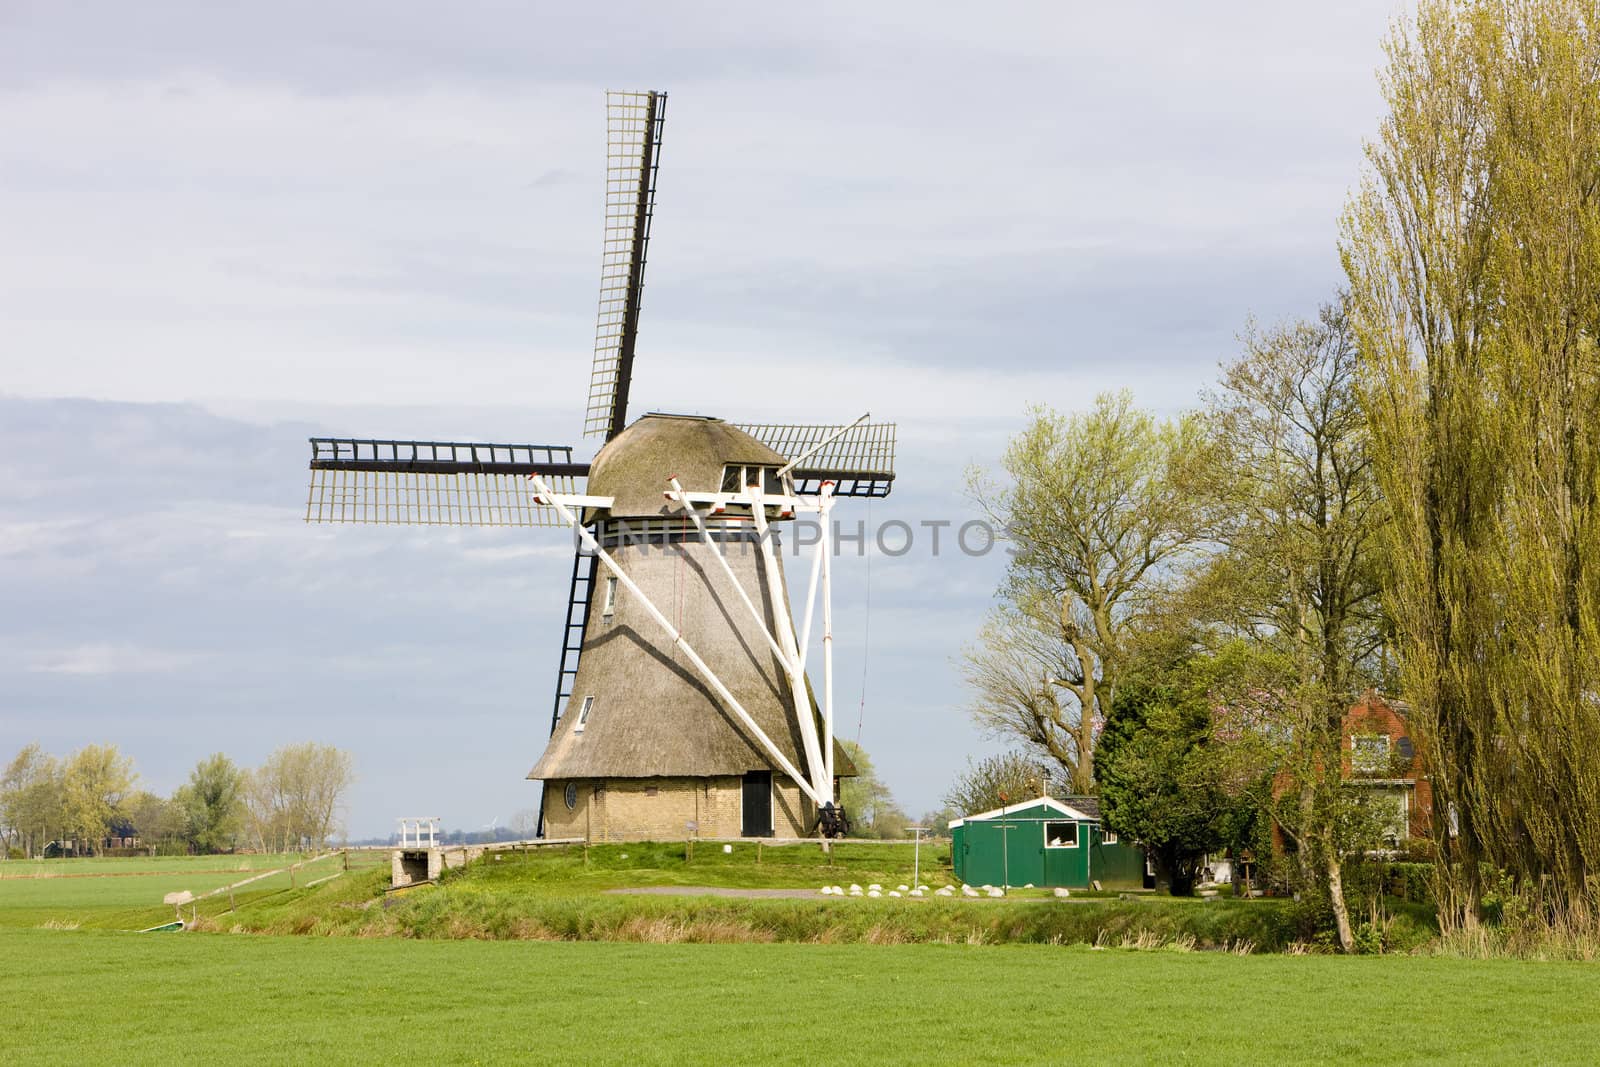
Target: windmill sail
433,483
633,153
859,458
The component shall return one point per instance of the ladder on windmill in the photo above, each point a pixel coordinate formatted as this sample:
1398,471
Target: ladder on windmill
580,594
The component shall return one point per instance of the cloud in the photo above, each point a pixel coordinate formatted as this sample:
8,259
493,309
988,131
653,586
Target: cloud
236,233
109,659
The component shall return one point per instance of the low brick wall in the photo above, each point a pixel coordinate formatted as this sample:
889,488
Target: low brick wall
661,809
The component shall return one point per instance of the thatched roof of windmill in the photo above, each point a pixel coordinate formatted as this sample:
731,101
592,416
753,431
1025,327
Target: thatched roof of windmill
635,465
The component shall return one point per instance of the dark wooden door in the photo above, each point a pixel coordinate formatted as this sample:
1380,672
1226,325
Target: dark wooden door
757,820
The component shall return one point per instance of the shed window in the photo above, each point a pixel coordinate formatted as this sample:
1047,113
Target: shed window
1060,835
1108,837
583,715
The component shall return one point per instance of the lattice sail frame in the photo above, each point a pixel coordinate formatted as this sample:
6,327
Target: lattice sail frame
432,483
860,461
633,153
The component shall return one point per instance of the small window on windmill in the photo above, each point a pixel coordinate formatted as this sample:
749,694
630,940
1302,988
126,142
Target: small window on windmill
609,604
771,484
733,479
583,714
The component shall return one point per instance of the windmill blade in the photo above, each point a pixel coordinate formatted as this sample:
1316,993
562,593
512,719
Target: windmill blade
633,155
859,459
434,483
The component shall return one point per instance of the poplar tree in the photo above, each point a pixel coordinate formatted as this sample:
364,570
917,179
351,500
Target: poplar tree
1473,253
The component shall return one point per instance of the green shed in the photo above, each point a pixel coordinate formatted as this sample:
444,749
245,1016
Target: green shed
1044,842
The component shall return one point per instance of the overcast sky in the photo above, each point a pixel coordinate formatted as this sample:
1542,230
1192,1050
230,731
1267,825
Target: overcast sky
224,230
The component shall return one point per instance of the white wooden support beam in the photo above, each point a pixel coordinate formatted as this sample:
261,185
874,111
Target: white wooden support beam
820,445
785,634
719,502
700,666
677,495
574,500
825,499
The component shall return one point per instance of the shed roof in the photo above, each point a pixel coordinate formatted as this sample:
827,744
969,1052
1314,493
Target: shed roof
1037,808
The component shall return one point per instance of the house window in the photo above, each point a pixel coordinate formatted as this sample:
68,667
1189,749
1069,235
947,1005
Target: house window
1369,753
609,604
1108,837
1060,835
583,714
1391,809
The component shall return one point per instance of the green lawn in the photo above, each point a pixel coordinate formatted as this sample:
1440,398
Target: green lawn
162,998
123,893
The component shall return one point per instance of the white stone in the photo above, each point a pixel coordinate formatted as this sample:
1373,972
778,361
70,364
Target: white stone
923,888
997,892
873,893
902,888
876,886
855,888
725,848
894,892
916,893
1063,891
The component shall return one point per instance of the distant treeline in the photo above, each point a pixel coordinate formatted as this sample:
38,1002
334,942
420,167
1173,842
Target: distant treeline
89,802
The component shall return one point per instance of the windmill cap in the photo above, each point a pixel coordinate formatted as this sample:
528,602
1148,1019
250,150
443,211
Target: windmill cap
636,465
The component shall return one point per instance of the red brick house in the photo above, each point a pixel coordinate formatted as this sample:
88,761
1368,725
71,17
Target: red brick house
1381,758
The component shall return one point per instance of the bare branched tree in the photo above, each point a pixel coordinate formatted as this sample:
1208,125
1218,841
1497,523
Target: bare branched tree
1096,507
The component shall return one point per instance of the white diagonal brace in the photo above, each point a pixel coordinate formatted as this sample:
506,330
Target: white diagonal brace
825,502
820,445
784,626
679,496
678,642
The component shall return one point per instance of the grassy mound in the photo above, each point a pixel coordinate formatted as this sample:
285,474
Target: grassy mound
560,895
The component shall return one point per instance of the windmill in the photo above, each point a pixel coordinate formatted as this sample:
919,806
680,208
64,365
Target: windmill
681,697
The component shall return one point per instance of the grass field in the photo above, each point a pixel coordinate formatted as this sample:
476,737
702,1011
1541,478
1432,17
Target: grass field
163,998
126,893
528,958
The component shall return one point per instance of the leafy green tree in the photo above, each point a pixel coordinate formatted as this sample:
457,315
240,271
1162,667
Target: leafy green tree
1297,517
1094,507
31,799
212,802
156,821
95,781
1160,780
295,798
996,781
868,801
